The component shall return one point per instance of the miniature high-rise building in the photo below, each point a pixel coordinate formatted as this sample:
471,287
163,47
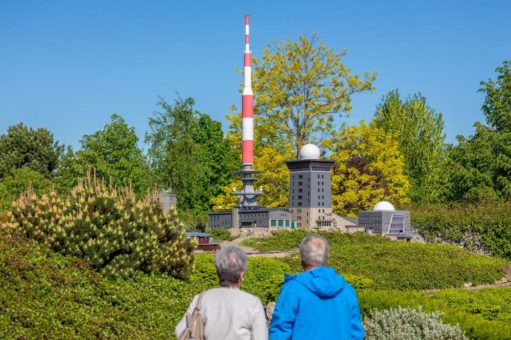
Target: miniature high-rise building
310,195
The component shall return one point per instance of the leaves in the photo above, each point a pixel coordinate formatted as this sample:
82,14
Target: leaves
368,168
419,131
301,87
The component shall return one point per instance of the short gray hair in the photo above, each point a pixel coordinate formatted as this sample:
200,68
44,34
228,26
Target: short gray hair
230,262
314,251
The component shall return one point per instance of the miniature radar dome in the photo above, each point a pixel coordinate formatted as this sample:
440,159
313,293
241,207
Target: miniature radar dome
384,206
309,151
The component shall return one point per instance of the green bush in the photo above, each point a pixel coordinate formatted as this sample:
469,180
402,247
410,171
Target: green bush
220,234
479,227
111,229
17,182
407,323
455,305
390,264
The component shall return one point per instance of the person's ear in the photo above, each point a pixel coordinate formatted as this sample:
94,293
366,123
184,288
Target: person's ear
242,276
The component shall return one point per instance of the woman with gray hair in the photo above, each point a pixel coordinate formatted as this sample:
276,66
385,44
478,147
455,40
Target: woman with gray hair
228,312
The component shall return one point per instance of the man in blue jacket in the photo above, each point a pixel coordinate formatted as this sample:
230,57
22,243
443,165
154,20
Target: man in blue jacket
318,303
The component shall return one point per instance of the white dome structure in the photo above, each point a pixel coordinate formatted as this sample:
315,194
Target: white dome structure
384,206
310,151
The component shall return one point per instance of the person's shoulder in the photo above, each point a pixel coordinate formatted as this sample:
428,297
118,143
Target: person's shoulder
248,297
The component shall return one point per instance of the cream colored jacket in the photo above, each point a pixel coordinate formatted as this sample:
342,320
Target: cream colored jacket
229,314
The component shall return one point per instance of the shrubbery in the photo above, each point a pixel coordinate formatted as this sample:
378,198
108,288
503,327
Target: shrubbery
407,323
115,232
456,307
485,227
390,264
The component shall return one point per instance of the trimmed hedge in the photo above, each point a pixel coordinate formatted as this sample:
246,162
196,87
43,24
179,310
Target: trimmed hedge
393,265
478,227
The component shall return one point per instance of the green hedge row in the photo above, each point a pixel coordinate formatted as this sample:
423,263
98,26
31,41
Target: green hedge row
394,265
484,227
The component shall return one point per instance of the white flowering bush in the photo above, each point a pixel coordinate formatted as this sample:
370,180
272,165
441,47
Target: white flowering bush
409,324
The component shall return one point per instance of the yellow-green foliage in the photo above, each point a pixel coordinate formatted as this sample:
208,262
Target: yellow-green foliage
368,168
115,232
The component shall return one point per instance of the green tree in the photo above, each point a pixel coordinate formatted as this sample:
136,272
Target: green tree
301,87
36,149
497,104
188,152
368,168
115,156
480,166
17,182
421,141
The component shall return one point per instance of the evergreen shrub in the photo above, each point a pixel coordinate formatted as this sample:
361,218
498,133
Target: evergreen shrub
408,324
116,233
478,227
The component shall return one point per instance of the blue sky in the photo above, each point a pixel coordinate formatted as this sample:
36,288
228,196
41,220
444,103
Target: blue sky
68,65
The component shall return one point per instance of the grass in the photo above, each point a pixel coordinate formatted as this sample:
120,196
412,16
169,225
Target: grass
394,265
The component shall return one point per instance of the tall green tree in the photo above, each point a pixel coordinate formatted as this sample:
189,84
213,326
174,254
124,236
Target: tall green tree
480,165
301,87
368,168
36,149
421,141
189,153
115,156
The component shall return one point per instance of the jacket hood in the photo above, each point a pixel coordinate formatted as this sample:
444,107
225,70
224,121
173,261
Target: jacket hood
322,281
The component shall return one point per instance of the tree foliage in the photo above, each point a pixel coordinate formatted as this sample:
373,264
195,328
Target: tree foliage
189,153
368,168
480,165
36,149
421,142
113,153
17,183
301,87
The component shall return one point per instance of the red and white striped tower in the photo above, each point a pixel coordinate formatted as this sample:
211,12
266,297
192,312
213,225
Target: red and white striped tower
248,195
247,104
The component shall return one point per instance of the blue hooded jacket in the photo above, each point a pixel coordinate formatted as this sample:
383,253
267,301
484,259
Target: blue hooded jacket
316,304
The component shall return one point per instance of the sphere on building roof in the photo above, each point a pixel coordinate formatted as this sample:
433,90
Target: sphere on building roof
310,151
384,206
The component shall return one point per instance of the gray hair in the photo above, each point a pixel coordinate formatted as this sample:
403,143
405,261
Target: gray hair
230,262
314,251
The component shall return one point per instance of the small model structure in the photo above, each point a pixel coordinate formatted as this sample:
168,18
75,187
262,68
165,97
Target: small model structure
204,240
384,219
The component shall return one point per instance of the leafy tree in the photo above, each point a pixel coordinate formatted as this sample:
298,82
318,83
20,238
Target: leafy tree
421,142
189,153
368,168
115,156
480,166
17,183
36,149
497,104
300,87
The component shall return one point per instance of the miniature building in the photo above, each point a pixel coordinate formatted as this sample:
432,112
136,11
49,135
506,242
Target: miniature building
309,191
205,241
252,218
384,219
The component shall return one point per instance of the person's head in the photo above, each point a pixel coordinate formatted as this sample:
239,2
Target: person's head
314,251
231,265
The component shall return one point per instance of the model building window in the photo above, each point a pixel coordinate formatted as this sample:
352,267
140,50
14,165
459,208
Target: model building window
300,176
